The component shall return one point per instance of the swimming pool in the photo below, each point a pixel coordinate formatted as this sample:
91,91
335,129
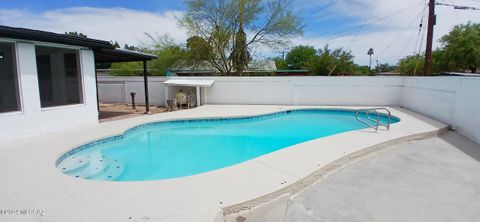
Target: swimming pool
180,148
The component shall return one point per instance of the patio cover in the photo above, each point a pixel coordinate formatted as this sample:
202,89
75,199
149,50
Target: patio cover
104,51
197,83
189,82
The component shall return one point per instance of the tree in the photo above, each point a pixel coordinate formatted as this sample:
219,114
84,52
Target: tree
116,45
198,51
362,70
76,34
269,23
385,67
411,65
169,53
370,53
240,55
462,47
130,47
300,56
280,63
332,62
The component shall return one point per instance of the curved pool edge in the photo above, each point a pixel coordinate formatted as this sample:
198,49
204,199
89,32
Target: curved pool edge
304,183
78,148
194,198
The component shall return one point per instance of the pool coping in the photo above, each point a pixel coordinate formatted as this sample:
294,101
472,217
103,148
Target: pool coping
125,133
315,177
202,197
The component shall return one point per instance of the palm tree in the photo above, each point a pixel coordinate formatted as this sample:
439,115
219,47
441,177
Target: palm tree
370,53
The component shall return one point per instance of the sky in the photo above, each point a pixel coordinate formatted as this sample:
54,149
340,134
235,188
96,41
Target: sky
390,27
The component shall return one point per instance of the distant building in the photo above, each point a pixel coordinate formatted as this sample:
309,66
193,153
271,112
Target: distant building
459,74
388,74
260,67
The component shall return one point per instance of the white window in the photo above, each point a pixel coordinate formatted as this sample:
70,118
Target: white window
9,96
59,76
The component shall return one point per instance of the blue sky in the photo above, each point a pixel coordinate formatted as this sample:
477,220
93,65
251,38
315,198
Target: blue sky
388,26
46,5
314,15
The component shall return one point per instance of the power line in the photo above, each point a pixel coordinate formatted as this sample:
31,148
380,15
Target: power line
419,50
339,34
397,37
356,35
458,7
366,19
420,32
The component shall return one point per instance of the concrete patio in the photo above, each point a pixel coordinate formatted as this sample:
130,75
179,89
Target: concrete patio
434,179
35,183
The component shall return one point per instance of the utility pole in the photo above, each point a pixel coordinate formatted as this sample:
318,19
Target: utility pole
427,69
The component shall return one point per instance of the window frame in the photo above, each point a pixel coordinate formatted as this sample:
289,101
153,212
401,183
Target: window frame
16,68
78,52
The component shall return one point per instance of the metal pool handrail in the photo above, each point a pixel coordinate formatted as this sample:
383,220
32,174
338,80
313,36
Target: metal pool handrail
375,120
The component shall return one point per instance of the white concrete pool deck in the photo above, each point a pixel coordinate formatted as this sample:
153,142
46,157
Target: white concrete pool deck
434,179
30,179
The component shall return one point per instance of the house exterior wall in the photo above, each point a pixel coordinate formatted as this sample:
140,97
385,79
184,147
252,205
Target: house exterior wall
33,120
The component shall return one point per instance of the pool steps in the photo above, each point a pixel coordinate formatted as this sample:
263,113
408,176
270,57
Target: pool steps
73,163
94,166
112,172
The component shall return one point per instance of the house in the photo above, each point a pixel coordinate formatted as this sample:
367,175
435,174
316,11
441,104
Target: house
48,80
259,67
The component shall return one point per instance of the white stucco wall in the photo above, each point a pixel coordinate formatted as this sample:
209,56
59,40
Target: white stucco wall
305,90
35,121
266,90
452,100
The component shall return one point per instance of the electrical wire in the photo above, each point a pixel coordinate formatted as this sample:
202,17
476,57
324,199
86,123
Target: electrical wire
395,40
339,34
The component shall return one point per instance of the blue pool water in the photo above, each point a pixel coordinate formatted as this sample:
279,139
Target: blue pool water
182,148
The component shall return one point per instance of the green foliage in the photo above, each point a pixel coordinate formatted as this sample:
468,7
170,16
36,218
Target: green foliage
324,61
103,65
168,56
280,63
271,23
385,67
198,50
362,70
411,65
168,52
126,69
300,57
462,47
332,62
